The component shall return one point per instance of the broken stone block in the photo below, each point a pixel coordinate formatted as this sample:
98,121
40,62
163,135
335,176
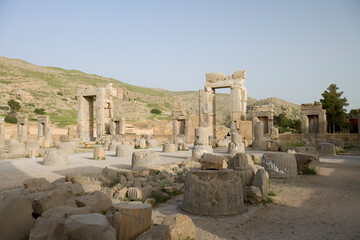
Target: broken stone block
183,147
158,232
326,149
273,145
234,148
198,151
33,149
51,223
16,147
50,199
201,136
98,201
213,193
64,138
252,195
213,77
257,145
212,162
98,152
35,182
169,147
337,142
135,193
151,201
142,143
303,160
88,226
130,220
55,157
152,143
67,147
279,165
144,158
124,151
113,145
274,135
180,226
73,188
261,180
16,219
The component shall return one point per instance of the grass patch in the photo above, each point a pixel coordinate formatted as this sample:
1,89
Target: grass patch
64,118
159,197
269,200
295,144
271,193
310,171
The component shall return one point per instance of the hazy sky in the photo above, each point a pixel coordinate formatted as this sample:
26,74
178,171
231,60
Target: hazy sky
290,49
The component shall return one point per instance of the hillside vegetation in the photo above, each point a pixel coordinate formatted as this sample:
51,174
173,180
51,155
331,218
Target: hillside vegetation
54,89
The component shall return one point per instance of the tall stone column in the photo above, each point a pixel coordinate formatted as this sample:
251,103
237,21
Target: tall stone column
80,117
235,107
100,118
2,128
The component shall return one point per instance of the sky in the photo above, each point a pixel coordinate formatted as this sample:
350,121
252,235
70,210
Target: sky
290,49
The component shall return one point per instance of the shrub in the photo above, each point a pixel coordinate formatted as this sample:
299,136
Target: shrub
59,93
6,108
14,105
155,111
271,193
10,119
39,111
310,171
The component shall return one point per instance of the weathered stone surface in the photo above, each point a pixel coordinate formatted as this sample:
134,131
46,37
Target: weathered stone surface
67,147
236,137
35,182
308,150
33,148
180,226
136,193
274,135
158,232
213,77
98,201
213,193
260,146
273,145
261,180
244,167
88,226
326,149
152,143
16,220
239,74
73,188
198,151
201,136
50,199
16,147
98,152
113,145
64,138
252,195
142,143
124,151
212,162
51,223
169,147
303,160
55,157
130,220
234,148
144,158
183,147
337,142
222,142
279,164
259,132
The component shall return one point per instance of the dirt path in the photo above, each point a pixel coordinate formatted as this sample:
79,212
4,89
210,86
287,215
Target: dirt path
324,206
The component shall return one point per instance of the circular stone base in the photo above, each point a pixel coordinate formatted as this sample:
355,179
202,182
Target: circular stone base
213,193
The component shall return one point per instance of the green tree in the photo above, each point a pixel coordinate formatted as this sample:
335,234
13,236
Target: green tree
334,105
286,124
14,106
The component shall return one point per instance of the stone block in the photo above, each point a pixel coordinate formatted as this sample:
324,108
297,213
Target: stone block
144,158
98,201
142,143
180,226
252,195
125,151
198,151
98,152
213,193
213,77
152,143
67,147
201,136
279,164
158,232
113,146
236,137
136,193
130,220
234,148
16,219
64,138
55,157
16,147
88,226
273,145
261,180
303,160
212,162
169,147
337,142
326,149
35,182
260,146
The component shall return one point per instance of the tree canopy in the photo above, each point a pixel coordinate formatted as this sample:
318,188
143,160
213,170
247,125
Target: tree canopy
334,105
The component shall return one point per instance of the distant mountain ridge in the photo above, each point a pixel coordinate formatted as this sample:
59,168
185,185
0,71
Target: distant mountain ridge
55,89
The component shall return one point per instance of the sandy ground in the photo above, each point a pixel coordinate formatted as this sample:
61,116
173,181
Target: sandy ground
323,206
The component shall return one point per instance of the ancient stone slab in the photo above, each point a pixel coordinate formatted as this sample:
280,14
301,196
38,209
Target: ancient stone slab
88,226
55,157
279,164
169,147
158,232
326,149
234,148
303,160
273,145
244,168
16,219
130,220
16,147
98,152
261,180
213,192
337,142
124,151
260,146
142,143
98,201
67,147
180,226
201,136
144,158
35,182
212,162
252,195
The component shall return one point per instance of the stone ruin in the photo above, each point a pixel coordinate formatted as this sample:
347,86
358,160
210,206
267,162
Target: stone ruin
201,144
180,127
95,106
313,122
2,126
238,100
264,114
22,127
44,131
118,126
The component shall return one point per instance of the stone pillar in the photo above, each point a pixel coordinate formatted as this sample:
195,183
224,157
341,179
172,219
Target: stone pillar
235,107
2,128
259,132
207,108
44,132
22,127
81,117
243,102
201,136
100,118
122,126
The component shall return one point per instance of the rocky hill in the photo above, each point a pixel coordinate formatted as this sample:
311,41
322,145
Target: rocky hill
54,90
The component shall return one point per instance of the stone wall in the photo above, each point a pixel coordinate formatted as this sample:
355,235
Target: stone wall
346,137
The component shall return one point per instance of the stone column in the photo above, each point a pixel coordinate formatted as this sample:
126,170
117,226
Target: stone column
243,102
175,131
80,117
100,121
259,132
201,136
235,107
122,126
22,127
2,128
207,115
